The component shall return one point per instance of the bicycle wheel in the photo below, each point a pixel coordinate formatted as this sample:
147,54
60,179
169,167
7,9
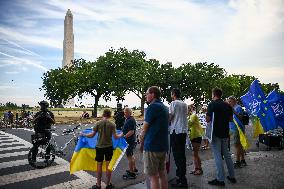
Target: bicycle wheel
42,159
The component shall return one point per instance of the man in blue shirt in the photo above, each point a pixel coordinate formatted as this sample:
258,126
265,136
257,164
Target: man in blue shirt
154,138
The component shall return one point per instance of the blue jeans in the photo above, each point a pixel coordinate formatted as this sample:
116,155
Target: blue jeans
220,146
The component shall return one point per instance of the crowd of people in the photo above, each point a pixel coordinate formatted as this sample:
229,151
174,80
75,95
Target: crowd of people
22,119
179,123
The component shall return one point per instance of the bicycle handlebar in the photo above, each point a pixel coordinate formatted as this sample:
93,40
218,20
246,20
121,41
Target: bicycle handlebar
71,130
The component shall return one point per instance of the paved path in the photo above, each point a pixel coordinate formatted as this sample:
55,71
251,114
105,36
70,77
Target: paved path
13,154
265,170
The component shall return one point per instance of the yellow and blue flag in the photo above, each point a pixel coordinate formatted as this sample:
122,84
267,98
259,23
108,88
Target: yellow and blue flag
85,152
257,105
258,129
240,128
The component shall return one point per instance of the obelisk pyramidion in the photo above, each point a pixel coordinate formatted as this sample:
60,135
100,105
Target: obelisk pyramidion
68,42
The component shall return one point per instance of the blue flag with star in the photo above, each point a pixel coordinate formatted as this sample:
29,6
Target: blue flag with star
257,105
277,103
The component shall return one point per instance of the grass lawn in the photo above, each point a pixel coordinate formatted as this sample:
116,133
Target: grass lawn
73,115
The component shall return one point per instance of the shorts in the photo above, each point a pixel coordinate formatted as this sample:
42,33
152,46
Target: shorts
196,140
104,154
154,162
130,149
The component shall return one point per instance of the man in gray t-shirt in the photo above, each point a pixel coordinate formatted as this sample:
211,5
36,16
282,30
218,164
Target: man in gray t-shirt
178,133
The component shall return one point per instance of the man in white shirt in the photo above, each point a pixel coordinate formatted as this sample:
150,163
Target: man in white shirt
178,133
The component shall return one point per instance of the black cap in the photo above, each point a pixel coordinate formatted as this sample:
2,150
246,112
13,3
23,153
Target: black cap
45,103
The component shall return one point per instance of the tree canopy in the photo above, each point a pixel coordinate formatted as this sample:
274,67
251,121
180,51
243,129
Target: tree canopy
121,71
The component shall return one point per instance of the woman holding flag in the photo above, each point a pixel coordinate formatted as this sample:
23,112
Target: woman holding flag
238,129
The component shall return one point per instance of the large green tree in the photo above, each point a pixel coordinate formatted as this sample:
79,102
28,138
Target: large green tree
90,80
59,85
146,74
197,80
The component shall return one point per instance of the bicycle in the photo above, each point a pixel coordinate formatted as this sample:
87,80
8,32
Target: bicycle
42,158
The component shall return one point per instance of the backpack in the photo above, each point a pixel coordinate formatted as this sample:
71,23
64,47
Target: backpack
245,119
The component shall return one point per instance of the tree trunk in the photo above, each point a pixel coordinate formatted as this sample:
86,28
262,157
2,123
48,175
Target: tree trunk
142,105
95,113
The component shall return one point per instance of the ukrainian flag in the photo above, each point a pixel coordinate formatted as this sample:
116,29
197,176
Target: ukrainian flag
240,127
258,129
84,155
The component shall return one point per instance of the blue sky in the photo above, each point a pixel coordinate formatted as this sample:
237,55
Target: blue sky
242,36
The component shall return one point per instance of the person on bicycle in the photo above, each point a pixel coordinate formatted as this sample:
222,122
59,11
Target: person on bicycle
42,121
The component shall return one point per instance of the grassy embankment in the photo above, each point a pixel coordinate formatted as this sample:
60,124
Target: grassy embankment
73,115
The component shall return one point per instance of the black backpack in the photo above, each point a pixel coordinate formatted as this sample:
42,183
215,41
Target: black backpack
245,119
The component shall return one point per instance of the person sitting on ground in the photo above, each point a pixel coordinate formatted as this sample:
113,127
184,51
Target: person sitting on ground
85,114
129,130
104,148
195,136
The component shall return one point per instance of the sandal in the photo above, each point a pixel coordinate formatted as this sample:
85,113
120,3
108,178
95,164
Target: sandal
192,172
204,148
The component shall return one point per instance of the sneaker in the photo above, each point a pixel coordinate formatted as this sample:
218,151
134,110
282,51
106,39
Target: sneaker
130,175
237,164
135,171
216,182
232,180
180,184
109,186
96,187
243,163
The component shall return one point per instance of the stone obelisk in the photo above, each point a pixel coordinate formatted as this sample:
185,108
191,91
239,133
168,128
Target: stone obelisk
68,42
68,49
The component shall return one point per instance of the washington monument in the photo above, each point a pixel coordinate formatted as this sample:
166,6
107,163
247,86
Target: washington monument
68,48
68,42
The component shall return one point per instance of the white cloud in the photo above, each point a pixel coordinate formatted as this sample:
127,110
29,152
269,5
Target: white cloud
8,87
24,50
29,38
242,36
21,61
13,72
